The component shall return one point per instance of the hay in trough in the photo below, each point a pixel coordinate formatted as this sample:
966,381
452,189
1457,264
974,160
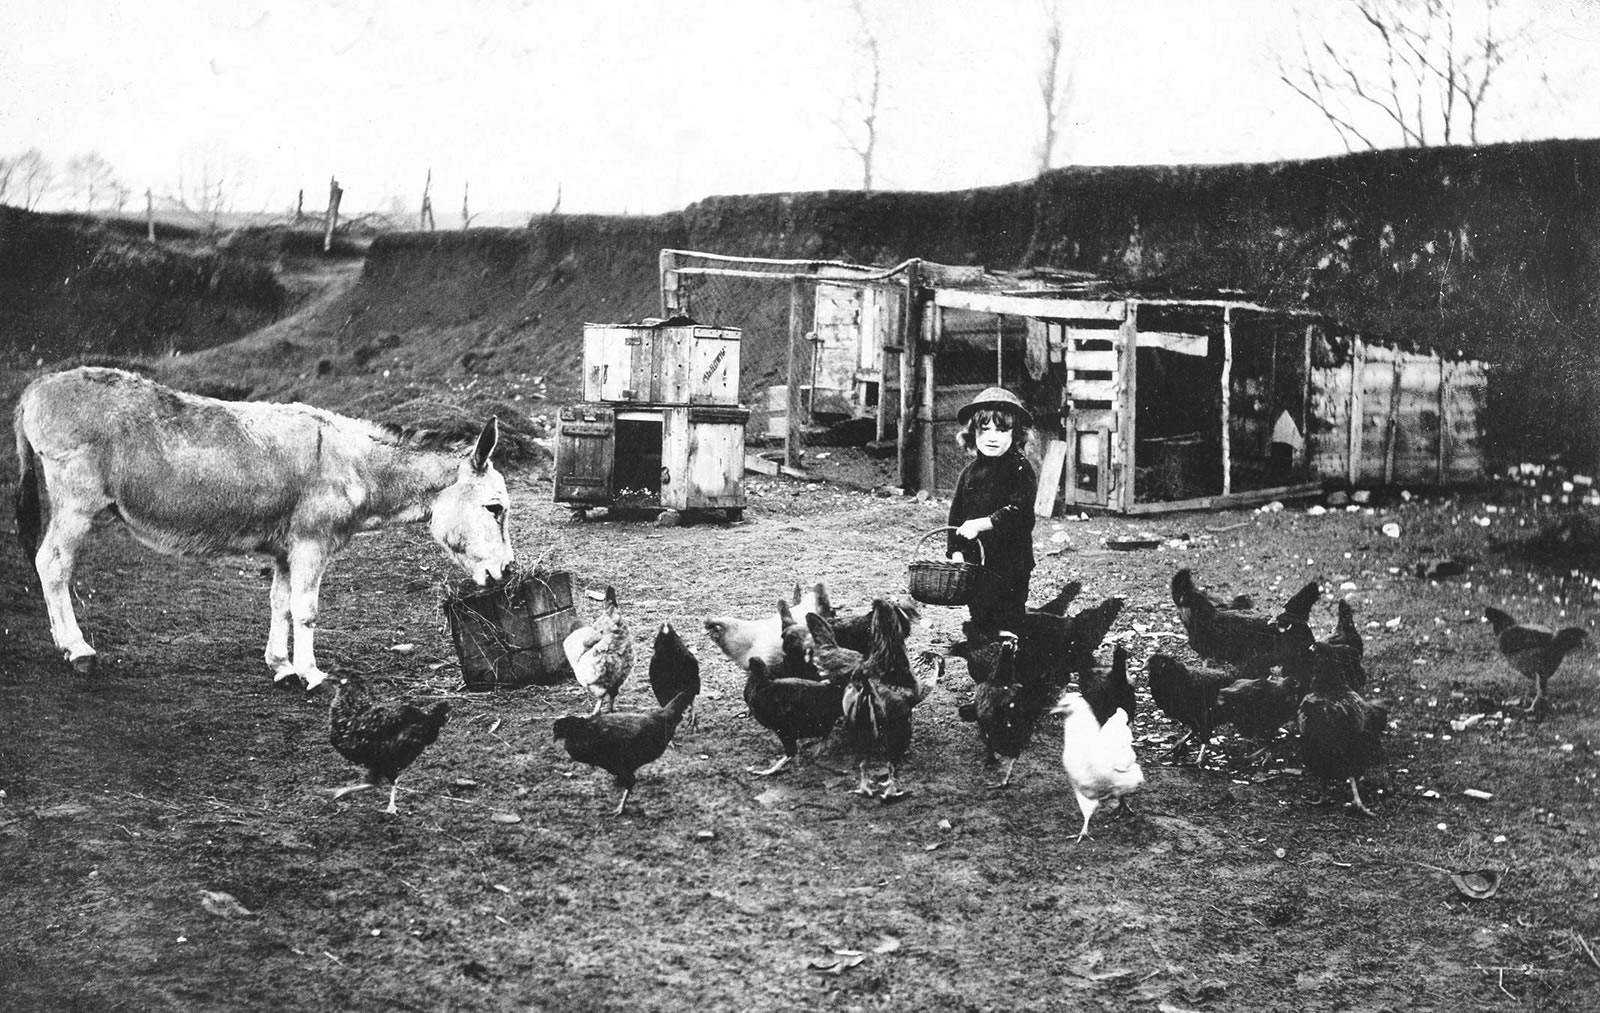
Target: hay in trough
510,633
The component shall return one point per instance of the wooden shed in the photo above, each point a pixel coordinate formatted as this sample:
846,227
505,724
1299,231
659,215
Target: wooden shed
1145,402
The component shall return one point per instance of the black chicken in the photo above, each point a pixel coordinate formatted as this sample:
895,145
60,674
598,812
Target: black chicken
383,736
855,631
1535,651
1346,647
1187,696
1219,635
878,701
1259,707
674,668
621,742
797,644
828,660
1005,715
1341,734
1057,606
793,708
1108,690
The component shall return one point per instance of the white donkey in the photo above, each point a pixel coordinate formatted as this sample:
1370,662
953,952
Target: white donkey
194,475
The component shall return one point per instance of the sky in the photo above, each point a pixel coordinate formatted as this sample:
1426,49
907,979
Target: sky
642,106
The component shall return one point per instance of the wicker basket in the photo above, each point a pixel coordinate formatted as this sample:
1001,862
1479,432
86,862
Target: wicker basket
944,581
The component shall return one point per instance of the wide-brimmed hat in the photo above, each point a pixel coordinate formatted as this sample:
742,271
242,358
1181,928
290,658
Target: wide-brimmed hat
995,397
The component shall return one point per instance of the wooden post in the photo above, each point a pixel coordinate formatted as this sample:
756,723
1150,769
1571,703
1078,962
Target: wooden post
667,267
334,195
149,215
999,350
910,341
1227,399
1126,407
927,437
1392,436
1305,403
1444,417
797,340
1358,377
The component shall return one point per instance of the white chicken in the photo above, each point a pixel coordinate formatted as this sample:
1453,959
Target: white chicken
1098,759
601,654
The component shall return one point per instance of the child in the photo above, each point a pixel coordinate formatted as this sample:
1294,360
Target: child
993,505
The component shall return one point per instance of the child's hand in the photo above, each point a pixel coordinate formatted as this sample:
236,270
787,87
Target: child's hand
970,530
958,557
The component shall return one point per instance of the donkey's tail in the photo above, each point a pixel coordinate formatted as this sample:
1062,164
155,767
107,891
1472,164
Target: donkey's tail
30,516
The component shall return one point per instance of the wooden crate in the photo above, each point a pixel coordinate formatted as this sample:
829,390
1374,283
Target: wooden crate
661,363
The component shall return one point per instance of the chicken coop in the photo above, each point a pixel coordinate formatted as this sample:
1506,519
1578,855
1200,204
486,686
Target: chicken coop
660,426
1145,402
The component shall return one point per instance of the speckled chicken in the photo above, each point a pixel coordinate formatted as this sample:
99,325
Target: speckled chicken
1341,733
382,736
1535,651
601,654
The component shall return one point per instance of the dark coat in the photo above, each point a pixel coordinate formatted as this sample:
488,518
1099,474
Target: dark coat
1003,489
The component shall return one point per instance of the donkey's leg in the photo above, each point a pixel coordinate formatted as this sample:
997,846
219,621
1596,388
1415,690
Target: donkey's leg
58,551
278,634
307,563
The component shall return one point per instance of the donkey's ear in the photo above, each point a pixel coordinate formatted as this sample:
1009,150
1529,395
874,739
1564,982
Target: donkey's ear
486,444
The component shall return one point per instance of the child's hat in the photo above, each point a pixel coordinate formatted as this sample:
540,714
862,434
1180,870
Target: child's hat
995,397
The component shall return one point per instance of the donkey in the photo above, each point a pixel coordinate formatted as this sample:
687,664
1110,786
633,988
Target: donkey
193,475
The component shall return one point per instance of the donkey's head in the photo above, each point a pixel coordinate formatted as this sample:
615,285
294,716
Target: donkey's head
469,517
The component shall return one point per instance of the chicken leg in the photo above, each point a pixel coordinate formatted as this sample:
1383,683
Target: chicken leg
863,784
351,788
1355,795
1005,779
621,805
783,761
1087,806
891,788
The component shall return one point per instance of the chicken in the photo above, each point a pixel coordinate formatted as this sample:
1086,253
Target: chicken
674,669
855,631
1109,690
878,701
1183,586
798,645
795,709
1099,759
1187,696
383,736
1057,606
1259,707
622,743
1535,651
1345,646
739,640
1004,715
1341,734
1050,648
1220,635
601,654
829,661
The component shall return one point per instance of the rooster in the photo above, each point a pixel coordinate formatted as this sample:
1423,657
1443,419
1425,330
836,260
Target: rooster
794,709
1099,759
1004,715
855,631
601,654
1341,734
1219,635
674,669
383,736
879,698
1535,651
622,743
1187,696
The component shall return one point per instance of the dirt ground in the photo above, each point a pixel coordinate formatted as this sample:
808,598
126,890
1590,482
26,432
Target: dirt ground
505,883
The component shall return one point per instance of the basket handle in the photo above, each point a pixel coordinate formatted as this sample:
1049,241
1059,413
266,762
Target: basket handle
936,531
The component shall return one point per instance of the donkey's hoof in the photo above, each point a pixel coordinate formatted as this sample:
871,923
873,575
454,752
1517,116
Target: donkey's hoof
83,664
314,678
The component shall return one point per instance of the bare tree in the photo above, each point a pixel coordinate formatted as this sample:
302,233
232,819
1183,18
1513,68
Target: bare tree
1419,69
26,178
1055,93
90,180
425,217
860,126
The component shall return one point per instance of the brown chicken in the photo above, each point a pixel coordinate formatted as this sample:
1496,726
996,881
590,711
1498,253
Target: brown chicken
622,743
601,653
1341,734
1238,639
878,701
1535,651
1188,696
383,736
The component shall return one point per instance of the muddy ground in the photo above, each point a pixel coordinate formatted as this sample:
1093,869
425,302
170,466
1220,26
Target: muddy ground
505,882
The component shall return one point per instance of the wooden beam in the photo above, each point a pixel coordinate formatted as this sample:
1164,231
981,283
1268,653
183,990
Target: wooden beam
1027,306
1125,404
1358,370
1227,400
1249,498
797,343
